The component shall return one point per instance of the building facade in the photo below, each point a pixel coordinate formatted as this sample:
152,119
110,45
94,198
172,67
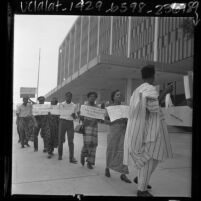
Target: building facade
104,53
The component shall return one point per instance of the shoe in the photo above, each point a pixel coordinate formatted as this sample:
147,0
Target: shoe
73,160
49,156
28,145
82,160
123,177
144,194
22,146
89,166
35,150
60,158
44,150
136,181
107,172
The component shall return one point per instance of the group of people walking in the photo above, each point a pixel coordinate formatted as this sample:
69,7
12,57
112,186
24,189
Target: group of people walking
140,141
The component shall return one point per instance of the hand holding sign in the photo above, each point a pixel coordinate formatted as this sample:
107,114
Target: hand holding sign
117,112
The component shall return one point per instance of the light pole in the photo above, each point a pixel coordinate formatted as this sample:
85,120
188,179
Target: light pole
38,75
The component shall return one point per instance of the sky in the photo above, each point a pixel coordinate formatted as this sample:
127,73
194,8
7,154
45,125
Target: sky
31,33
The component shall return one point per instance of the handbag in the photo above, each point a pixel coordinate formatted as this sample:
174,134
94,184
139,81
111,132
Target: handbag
79,129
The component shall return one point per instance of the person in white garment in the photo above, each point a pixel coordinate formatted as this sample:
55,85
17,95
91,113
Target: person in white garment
146,140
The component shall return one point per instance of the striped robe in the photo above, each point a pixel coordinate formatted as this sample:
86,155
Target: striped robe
146,133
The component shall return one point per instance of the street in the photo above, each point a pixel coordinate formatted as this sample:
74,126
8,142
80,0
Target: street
33,173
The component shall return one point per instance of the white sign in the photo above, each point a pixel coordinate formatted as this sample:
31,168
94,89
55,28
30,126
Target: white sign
27,91
187,87
41,109
66,110
117,112
55,110
92,112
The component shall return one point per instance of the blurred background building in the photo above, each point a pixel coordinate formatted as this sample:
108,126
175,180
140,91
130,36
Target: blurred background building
104,53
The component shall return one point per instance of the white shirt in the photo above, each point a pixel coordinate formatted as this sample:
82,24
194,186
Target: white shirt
66,110
24,111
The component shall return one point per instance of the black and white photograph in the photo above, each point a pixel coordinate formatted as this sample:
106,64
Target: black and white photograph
102,105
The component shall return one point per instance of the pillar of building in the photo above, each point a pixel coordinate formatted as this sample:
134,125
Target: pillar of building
156,33
98,100
111,33
128,90
82,99
129,37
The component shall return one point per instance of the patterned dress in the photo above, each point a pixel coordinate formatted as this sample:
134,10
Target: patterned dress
26,125
115,146
90,139
51,135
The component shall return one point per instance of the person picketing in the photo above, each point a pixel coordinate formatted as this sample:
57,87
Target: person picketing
53,124
42,127
140,141
25,122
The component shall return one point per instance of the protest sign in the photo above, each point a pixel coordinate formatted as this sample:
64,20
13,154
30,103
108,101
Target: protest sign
188,85
66,110
117,112
41,109
27,91
92,112
54,110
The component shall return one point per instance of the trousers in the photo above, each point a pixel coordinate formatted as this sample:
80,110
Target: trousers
66,126
42,128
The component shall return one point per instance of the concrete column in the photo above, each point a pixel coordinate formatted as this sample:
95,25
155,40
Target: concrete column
61,59
69,55
98,100
81,101
129,37
88,40
111,32
64,56
156,39
128,90
74,47
80,43
98,40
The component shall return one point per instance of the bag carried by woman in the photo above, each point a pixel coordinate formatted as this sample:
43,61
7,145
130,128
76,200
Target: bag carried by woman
79,129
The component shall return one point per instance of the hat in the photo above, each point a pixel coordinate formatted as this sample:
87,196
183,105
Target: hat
41,97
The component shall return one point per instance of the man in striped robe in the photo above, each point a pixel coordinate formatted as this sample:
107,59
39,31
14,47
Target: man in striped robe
146,140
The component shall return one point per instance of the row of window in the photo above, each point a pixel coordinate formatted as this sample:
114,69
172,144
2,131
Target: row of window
104,36
177,51
119,32
105,20
142,40
119,21
121,43
142,52
172,37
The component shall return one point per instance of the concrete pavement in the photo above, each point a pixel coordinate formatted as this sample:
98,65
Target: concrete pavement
33,173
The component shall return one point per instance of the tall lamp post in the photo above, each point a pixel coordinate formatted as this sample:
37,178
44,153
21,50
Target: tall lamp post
38,75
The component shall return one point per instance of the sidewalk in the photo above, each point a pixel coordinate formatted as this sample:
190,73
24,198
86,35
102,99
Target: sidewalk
33,173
